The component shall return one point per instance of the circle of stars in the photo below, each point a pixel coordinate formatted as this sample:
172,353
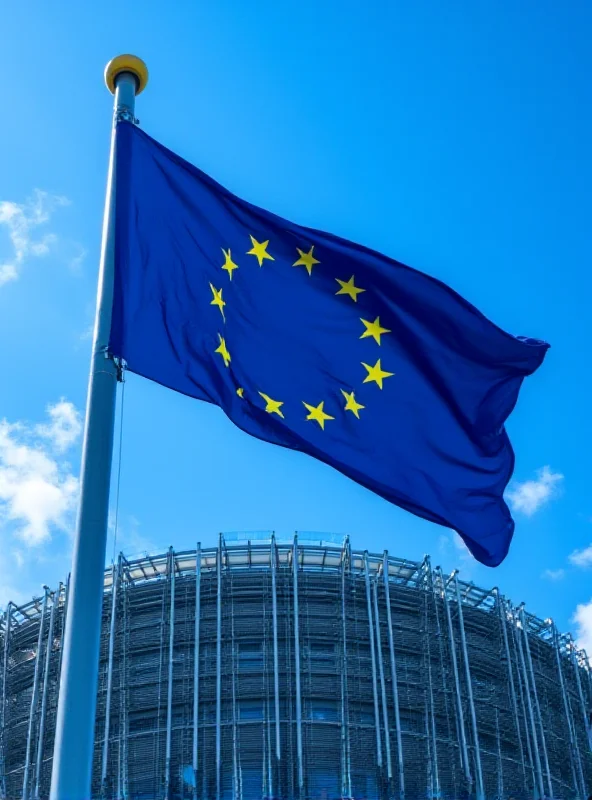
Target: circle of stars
348,288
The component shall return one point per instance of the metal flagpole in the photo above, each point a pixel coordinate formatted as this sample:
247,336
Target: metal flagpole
125,76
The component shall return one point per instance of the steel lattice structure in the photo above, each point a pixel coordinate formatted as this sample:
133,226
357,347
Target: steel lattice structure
301,670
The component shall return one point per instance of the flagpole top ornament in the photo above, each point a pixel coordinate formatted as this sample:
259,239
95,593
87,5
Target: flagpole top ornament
126,63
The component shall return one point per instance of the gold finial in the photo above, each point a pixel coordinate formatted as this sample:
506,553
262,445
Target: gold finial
126,63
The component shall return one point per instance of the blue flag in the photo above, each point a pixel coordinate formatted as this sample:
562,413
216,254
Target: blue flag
316,344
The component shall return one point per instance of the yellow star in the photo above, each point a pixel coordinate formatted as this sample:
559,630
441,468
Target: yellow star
228,264
317,413
223,350
272,406
376,374
259,250
217,301
373,329
348,287
240,392
306,260
351,404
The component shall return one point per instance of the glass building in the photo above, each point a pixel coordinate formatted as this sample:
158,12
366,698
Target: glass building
303,669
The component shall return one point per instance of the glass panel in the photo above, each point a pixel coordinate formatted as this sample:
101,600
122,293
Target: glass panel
324,784
250,710
324,710
366,714
250,656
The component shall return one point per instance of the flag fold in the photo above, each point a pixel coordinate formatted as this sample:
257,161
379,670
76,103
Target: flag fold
317,344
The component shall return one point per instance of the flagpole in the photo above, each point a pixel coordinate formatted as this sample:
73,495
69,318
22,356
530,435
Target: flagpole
125,77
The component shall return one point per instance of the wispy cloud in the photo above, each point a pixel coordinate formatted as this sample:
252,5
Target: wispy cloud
581,558
76,260
553,574
462,551
582,619
9,579
528,497
37,487
87,334
455,553
22,221
129,539
65,425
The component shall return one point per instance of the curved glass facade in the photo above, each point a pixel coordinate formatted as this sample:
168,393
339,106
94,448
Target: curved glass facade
292,670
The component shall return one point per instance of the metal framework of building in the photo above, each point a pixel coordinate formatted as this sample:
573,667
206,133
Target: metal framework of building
267,669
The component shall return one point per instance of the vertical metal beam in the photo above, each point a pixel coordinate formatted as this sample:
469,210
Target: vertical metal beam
64,619
513,633
276,661
195,763
219,669
576,667
387,737
427,567
7,631
582,709
236,788
7,626
266,761
119,759
124,691
527,730
443,658
373,661
526,681
429,761
41,734
34,696
267,750
573,748
503,622
459,707
463,639
169,717
500,767
536,702
104,765
391,639
297,667
75,722
345,743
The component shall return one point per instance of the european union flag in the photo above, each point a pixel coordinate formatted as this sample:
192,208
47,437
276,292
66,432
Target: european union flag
316,344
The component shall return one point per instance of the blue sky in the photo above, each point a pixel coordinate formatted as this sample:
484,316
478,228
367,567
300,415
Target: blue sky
452,136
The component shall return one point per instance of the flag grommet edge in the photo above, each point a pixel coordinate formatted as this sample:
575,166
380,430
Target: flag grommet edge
126,63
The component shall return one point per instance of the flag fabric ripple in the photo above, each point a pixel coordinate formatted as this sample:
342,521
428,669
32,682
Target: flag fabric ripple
317,344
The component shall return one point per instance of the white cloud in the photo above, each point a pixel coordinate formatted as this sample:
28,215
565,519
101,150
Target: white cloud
65,426
462,550
87,334
77,260
21,222
20,576
8,591
582,619
553,574
455,554
130,540
528,497
37,488
581,558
